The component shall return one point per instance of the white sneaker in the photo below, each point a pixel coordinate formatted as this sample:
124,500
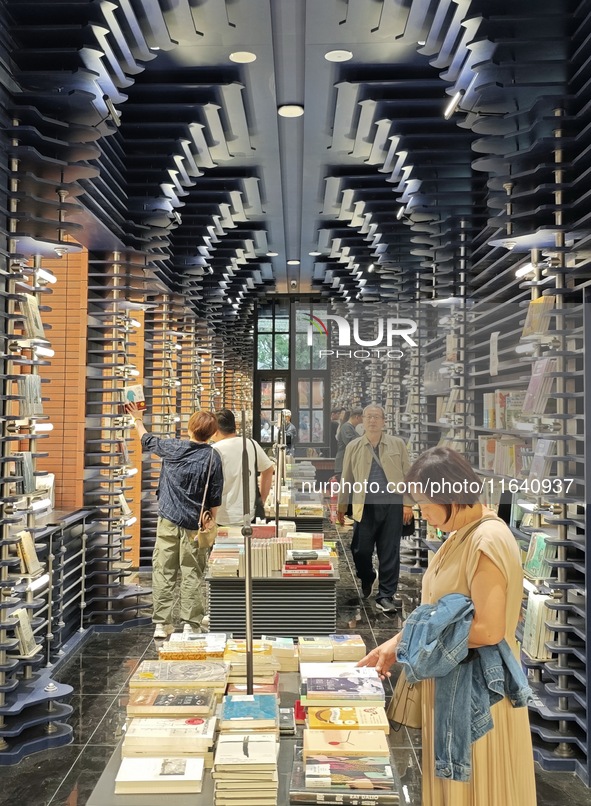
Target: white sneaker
162,630
190,629
205,623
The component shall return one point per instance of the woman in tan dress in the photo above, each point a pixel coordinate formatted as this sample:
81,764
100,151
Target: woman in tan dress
481,560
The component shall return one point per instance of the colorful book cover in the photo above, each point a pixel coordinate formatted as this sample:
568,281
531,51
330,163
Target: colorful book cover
174,672
343,796
367,772
349,743
353,718
170,701
237,708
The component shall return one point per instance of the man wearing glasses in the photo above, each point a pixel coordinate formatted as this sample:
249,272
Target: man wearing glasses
373,466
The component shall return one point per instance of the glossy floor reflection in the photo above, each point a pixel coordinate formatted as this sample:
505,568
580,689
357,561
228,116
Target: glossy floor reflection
100,671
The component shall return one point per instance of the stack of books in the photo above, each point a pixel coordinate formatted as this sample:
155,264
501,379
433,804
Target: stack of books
193,646
306,541
314,648
249,713
347,647
344,691
210,675
336,764
284,651
257,688
265,665
316,563
245,769
170,702
176,736
354,717
159,776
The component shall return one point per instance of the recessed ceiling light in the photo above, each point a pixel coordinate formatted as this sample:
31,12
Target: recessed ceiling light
290,111
422,42
293,262
270,253
314,254
338,55
242,57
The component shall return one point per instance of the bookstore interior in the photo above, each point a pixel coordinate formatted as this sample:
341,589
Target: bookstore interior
336,219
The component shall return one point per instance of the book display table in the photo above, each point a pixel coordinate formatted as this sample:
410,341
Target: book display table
281,606
104,792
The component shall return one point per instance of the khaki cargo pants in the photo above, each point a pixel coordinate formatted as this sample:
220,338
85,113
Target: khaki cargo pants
176,551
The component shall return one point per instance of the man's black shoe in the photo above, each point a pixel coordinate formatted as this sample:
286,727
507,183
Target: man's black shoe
367,587
386,605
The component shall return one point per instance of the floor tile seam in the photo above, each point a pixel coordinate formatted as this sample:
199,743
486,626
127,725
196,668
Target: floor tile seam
88,742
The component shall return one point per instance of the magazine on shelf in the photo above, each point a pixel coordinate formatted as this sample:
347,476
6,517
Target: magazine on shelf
29,390
538,317
24,633
28,555
536,564
539,387
536,633
541,462
32,324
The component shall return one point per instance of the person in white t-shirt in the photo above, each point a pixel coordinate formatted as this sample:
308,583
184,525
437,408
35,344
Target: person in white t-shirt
229,446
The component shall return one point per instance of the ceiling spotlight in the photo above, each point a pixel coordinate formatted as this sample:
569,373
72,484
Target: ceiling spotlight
242,57
422,42
338,55
371,267
400,212
270,253
315,253
523,270
290,111
293,262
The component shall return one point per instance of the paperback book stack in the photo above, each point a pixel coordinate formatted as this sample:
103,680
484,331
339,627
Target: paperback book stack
174,736
284,651
245,769
209,675
349,690
345,767
249,713
193,646
306,541
265,665
171,702
316,563
315,649
347,647
159,775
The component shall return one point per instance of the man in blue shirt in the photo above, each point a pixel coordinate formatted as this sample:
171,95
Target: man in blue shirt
186,466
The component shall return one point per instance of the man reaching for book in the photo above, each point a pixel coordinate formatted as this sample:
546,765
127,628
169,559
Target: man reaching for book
186,467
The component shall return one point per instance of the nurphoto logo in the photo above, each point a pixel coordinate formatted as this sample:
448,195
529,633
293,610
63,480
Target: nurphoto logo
377,346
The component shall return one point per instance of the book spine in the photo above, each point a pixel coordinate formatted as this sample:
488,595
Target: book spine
344,799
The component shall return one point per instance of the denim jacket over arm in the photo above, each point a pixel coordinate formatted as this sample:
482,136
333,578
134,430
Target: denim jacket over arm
434,644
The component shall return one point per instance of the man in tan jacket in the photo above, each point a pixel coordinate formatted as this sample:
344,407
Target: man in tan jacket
374,468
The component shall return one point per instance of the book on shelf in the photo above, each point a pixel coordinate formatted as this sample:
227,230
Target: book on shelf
487,446
123,451
134,393
167,702
350,744
32,324
28,484
26,640
314,648
355,792
179,735
541,462
536,566
451,348
489,417
29,392
537,320
147,776
539,387
513,405
355,717
246,712
177,674
509,457
287,723
28,554
125,508
536,633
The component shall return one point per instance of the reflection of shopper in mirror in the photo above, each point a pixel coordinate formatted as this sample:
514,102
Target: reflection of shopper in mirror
381,461
291,433
183,478
265,431
347,433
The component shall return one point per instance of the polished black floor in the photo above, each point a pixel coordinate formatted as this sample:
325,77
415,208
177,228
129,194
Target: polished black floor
99,673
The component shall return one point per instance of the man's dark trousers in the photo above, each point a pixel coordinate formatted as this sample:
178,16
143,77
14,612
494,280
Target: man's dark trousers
380,526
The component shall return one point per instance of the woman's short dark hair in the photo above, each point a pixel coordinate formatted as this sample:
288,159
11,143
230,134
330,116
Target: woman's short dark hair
445,477
226,421
202,425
